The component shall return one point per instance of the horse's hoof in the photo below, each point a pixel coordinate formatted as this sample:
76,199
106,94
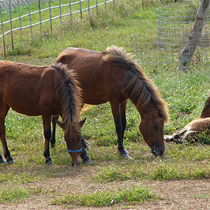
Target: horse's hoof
88,161
2,161
75,164
168,138
10,162
88,148
49,162
126,156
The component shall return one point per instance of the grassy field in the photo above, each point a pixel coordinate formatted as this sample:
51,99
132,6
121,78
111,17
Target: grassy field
109,180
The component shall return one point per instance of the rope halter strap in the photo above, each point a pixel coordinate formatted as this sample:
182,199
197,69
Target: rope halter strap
74,151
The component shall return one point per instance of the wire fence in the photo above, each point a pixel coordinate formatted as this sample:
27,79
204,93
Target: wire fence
19,15
166,42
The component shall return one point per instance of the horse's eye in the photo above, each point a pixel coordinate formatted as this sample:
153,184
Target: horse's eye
207,106
156,127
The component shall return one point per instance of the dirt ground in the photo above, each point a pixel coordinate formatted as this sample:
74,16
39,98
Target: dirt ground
184,194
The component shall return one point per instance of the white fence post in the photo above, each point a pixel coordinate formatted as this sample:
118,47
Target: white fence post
70,9
80,5
60,11
50,16
21,33
11,29
29,13
89,7
2,24
40,17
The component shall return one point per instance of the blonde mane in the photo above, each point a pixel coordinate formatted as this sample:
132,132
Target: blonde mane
70,99
137,86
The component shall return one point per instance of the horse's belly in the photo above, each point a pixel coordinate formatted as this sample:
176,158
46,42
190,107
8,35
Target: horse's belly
23,106
26,110
94,97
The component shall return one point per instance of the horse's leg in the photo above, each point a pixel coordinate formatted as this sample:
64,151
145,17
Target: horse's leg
4,109
123,117
53,139
187,134
119,127
47,135
83,154
176,136
1,159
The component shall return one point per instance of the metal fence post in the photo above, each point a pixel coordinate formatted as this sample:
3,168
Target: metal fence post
97,6
21,33
80,5
50,16
40,17
89,7
29,13
2,24
70,9
60,11
11,30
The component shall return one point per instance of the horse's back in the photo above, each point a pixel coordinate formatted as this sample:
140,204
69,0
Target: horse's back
23,87
99,79
90,68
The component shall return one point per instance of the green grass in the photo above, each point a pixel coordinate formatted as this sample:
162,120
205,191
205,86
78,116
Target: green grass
184,92
12,195
133,195
161,171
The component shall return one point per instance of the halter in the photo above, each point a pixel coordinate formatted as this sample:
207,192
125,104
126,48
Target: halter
74,151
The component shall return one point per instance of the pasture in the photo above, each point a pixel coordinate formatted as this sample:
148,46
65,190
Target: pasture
178,180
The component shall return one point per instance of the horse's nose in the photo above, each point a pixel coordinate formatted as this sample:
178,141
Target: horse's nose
77,163
161,151
157,151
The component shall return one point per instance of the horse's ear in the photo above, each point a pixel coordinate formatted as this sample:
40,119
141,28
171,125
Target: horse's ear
60,124
82,122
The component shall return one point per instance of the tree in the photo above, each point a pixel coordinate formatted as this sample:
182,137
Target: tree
194,37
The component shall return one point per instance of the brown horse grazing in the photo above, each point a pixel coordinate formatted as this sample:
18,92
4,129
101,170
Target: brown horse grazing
114,76
45,91
206,110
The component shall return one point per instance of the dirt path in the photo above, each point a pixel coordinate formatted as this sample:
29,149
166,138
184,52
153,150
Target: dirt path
187,194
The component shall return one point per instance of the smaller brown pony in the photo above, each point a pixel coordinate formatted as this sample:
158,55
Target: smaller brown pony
45,91
194,127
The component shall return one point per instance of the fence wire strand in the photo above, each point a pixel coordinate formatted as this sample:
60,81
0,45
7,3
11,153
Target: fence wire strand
11,5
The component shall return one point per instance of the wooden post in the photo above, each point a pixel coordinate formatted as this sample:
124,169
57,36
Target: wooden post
194,37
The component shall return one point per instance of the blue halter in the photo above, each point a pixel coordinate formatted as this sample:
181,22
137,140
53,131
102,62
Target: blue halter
79,150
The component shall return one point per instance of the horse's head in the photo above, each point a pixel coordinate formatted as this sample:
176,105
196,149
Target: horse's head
206,110
74,143
152,128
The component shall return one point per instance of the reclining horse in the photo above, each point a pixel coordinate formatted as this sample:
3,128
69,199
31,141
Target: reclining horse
195,126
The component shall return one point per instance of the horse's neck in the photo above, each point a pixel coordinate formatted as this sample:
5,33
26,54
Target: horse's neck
145,110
